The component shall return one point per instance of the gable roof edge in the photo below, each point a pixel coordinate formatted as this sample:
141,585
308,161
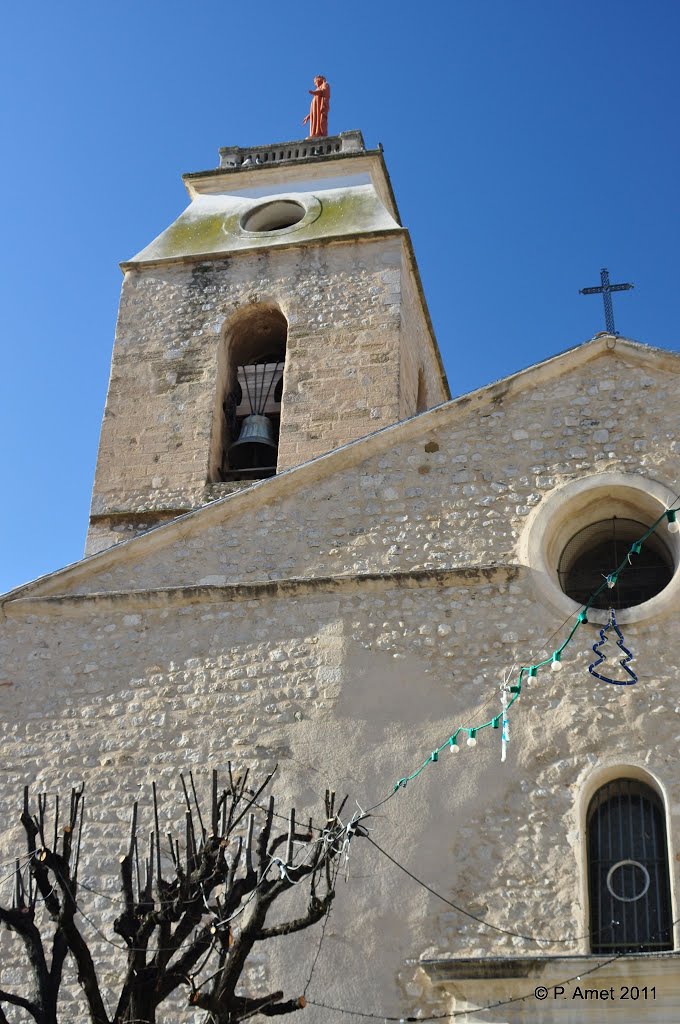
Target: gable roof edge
338,459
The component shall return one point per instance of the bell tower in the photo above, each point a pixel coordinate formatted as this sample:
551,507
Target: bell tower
279,317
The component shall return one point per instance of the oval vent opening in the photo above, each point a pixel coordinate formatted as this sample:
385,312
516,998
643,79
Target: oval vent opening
274,216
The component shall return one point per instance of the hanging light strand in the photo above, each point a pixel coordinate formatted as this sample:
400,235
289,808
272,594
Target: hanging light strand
554,659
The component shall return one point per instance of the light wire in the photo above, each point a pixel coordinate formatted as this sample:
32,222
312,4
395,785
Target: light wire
531,670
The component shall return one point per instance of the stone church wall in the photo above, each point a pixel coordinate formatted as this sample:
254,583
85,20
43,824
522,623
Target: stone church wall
349,686
352,682
415,346
343,340
456,493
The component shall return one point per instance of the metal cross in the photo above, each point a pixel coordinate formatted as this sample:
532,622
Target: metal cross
606,290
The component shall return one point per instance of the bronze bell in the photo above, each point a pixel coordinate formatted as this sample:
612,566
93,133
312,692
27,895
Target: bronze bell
255,446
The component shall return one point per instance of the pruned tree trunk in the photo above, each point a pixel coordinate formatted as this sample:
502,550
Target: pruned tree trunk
194,925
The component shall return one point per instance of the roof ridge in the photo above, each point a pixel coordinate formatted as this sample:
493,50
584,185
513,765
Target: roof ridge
343,457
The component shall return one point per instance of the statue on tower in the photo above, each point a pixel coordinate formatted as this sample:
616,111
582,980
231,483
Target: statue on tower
318,111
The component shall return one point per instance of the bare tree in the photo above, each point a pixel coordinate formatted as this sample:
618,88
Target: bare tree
191,910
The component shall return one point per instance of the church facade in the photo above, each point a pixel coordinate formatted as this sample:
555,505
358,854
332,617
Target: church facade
302,551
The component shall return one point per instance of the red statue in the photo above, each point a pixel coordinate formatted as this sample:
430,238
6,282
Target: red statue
318,111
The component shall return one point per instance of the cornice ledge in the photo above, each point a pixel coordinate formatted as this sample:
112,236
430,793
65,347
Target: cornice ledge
166,597
502,968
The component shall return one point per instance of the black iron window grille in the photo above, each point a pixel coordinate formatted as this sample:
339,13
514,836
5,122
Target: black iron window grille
628,879
596,550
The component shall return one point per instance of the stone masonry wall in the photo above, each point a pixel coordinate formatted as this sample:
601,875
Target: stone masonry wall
457,493
343,341
415,348
351,687
342,370
353,682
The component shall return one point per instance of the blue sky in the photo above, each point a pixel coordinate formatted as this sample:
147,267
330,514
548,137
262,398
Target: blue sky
529,143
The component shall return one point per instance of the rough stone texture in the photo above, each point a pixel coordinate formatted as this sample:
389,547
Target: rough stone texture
414,346
353,681
457,491
343,275
345,339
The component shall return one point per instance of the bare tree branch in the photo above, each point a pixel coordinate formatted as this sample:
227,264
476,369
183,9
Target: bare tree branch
203,916
26,1004
315,912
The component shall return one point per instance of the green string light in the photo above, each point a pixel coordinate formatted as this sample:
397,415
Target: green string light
554,660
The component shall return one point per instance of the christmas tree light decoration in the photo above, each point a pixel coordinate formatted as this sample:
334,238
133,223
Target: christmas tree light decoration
511,693
623,662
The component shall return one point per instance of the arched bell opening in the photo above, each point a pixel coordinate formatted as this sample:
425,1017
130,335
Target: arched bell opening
252,386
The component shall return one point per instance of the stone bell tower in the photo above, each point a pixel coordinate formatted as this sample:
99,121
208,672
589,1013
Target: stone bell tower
279,317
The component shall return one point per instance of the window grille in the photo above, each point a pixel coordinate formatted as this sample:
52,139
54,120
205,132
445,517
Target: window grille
597,549
630,907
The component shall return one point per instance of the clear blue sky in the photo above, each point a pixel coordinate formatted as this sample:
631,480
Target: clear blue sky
530,143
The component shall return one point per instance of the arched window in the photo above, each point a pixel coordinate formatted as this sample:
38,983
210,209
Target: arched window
628,880
246,436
